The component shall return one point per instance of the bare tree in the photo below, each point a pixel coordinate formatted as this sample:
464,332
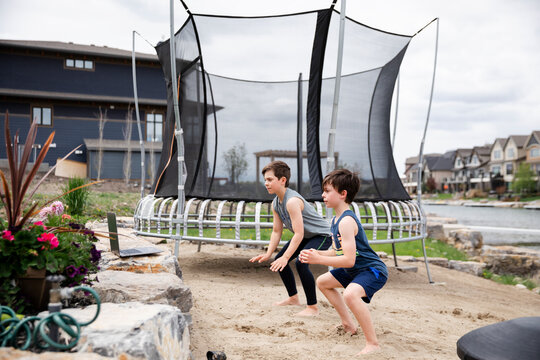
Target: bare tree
127,137
235,162
101,126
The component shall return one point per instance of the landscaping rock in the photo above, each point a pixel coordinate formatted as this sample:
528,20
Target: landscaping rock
435,261
470,267
142,331
466,240
161,262
156,288
512,260
435,231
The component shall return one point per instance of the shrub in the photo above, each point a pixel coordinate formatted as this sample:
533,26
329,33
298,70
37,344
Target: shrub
76,200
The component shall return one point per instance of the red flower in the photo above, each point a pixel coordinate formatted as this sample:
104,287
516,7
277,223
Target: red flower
50,238
40,223
6,234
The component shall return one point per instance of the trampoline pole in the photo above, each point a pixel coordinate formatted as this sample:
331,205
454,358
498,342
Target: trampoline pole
178,133
141,140
421,155
396,113
330,159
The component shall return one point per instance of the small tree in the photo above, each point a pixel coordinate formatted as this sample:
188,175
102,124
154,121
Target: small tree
524,180
497,184
235,162
431,185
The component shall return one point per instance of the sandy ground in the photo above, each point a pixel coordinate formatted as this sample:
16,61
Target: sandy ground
413,319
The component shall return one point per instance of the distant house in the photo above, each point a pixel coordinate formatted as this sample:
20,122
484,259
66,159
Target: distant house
514,154
496,161
461,174
66,87
532,148
478,168
436,166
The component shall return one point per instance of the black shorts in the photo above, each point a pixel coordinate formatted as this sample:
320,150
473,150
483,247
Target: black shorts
371,280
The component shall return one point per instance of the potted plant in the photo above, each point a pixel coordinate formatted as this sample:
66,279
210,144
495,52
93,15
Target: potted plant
30,247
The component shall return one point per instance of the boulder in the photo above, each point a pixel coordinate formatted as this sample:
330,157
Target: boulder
470,267
435,231
142,331
152,288
467,240
512,260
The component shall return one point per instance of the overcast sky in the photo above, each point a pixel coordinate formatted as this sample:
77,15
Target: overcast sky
488,71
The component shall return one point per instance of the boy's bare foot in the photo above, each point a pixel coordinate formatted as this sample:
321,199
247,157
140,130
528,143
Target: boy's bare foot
310,310
369,348
293,300
346,328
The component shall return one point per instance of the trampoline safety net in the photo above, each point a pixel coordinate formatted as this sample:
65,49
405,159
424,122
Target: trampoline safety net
256,89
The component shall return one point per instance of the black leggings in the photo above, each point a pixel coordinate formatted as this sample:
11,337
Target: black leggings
306,277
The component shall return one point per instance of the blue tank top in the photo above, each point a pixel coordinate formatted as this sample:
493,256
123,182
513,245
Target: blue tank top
314,224
366,258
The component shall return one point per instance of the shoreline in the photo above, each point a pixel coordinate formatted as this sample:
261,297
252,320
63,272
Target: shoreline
529,205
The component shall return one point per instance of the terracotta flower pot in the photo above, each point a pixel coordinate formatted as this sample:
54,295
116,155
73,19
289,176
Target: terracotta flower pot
35,288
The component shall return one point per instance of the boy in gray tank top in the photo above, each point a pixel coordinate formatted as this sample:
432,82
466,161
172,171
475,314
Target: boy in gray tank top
310,230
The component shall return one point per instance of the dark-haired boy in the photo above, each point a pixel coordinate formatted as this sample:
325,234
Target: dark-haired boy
357,268
310,230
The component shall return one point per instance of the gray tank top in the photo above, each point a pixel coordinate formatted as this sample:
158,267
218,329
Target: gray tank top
314,224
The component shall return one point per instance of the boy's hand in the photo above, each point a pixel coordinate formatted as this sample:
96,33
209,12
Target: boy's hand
279,264
260,258
308,256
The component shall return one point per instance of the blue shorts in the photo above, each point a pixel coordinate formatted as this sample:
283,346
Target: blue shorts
371,280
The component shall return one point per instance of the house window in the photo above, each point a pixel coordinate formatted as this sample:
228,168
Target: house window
535,152
42,115
496,169
474,160
510,153
497,154
80,64
509,169
458,162
154,127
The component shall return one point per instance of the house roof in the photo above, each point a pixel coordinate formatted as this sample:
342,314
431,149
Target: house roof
445,162
79,97
500,141
464,152
536,135
519,140
76,49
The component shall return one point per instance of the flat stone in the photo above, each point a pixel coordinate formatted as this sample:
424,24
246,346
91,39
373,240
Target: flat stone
151,288
470,267
143,331
407,268
161,262
439,261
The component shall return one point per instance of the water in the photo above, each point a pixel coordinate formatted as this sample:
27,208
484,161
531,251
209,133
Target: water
497,217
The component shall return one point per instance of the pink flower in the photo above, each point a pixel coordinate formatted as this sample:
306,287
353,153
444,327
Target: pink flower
40,223
66,216
57,207
50,238
6,234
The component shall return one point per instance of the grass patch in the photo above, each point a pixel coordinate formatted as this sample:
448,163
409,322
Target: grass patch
434,248
509,279
442,196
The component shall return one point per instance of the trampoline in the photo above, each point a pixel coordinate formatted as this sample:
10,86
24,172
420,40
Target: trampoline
249,90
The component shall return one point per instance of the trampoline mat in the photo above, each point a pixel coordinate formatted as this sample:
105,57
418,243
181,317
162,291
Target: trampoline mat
514,339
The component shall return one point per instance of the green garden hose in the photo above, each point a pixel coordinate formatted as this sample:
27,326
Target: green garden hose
18,333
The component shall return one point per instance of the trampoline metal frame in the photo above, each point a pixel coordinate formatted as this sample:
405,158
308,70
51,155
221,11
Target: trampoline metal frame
155,215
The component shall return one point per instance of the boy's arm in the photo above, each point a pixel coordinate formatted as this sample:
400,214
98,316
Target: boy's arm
294,208
275,237
347,229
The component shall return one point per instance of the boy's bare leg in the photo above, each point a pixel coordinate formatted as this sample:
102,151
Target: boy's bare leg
328,284
291,300
353,298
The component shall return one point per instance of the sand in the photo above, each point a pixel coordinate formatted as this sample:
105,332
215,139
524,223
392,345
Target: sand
233,310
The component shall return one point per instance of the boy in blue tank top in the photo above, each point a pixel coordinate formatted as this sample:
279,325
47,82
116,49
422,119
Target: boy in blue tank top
310,230
357,268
